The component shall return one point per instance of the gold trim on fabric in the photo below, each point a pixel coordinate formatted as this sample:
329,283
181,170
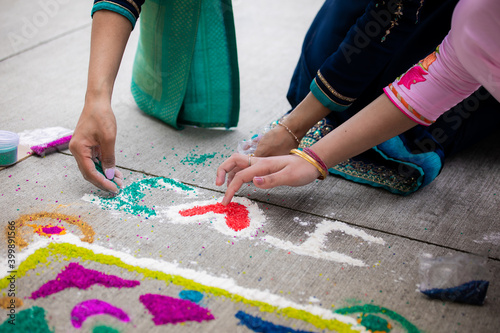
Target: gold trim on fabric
333,91
135,6
317,85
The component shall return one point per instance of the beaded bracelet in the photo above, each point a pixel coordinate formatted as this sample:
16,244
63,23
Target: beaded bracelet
289,131
323,171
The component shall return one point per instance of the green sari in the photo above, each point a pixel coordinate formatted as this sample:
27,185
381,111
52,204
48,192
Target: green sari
186,67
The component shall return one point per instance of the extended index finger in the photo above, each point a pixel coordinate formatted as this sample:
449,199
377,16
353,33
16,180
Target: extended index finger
263,168
235,161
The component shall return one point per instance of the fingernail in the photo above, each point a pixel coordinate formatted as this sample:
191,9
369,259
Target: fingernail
110,173
258,180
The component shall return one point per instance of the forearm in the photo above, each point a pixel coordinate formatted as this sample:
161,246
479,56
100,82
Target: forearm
110,33
376,123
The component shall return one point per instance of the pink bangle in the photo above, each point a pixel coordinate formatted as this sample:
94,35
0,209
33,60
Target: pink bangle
311,153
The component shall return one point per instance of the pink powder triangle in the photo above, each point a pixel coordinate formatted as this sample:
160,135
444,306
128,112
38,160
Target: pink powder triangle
76,276
170,310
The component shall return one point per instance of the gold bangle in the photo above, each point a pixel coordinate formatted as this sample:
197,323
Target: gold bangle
311,160
289,131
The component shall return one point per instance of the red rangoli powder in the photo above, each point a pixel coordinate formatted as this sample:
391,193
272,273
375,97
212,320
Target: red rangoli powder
236,214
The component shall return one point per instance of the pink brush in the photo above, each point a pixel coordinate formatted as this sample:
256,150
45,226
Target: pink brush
50,147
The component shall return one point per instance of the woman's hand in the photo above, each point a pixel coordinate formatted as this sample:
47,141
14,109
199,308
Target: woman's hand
276,142
265,172
283,138
93,140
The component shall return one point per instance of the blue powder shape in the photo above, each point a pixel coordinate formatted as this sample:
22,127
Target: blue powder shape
191,295
473,292
256,324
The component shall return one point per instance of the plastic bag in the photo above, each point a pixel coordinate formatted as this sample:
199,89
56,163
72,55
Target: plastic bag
458,278
248,147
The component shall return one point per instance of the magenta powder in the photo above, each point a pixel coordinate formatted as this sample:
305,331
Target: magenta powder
52,230
76,276
93,307
170,310
50,147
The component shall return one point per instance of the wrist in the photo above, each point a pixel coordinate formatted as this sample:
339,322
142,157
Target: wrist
309,156
101,95
305,115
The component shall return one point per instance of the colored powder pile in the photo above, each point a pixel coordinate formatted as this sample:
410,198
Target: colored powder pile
76,276
93,307
370,308
52,230
256,324
98,167
473,292
191,295
130,196
6,302
53,146
236,214
48,230
374,323
195,159
23,220
169,310
31,320
67,251
104,329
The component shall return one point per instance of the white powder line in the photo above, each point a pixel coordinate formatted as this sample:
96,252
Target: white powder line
313,245
313,251
201,277
340,226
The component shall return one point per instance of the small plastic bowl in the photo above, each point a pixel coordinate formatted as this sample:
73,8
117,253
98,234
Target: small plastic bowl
8,148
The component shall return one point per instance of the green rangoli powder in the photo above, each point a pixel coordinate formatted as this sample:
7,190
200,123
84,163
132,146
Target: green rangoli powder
369,308
195,159
104,329
66,251
130,197
31,320
375,323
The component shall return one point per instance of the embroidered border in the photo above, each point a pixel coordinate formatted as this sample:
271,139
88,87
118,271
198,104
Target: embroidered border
329,98
369,172
135,6
333,91
408,107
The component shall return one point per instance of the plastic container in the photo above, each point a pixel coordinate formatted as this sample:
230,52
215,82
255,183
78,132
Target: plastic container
8,148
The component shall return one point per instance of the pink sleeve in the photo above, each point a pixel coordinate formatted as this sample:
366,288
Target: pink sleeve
467,58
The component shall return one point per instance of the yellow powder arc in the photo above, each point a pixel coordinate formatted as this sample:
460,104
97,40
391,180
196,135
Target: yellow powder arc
24,220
